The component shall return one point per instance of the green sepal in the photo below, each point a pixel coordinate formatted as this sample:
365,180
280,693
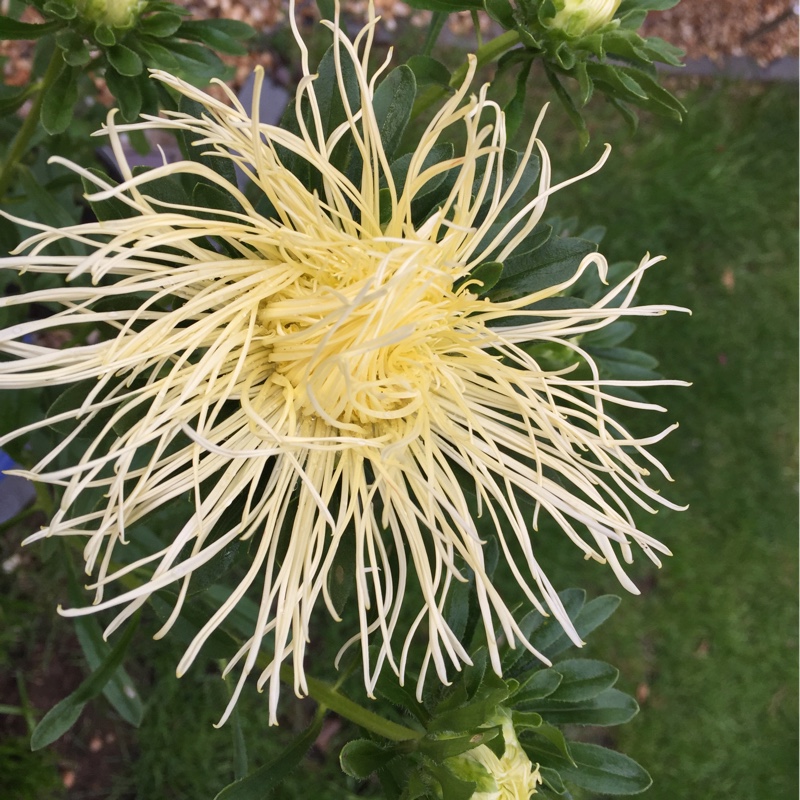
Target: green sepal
64,11
124,60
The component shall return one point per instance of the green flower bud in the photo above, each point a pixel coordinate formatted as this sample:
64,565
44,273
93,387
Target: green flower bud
512,777
113,13
579,17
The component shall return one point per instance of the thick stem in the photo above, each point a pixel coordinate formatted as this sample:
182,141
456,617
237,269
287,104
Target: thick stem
326,695
19,146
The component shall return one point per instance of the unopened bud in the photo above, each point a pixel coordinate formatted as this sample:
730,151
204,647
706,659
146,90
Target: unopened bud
579,17
113,13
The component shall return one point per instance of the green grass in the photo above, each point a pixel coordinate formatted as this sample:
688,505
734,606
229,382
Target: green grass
711,645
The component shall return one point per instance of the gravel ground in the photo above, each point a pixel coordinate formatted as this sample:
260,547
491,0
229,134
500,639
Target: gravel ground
743,37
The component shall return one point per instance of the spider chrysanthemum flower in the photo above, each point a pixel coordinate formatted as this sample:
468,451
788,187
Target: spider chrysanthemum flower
324,373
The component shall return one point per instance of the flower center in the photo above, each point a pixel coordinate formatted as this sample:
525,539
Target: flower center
357,341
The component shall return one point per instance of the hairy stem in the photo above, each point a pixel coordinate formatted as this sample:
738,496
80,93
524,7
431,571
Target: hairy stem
21,142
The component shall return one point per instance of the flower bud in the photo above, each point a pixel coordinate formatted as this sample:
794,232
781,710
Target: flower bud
113,13
512,777
579,17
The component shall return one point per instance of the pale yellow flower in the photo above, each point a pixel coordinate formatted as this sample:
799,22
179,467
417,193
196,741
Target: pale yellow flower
333,373
579,17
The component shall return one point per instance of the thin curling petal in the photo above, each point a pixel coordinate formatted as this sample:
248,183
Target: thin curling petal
322,378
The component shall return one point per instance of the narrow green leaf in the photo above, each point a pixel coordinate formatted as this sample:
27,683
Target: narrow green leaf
603,771
392,104
59,101
104,35
361,757
542,683
14,29
429,70
452,787
443,746
609,707
127,93
501,11
257,785
63,10
515,107
218,34
591,616
583,678
160,25
569,106
59,719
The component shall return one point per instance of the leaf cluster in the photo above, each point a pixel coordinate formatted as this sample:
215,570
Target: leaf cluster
161,38
613,60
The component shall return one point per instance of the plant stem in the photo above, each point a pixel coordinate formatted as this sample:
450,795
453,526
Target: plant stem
326,695
489,52
21,142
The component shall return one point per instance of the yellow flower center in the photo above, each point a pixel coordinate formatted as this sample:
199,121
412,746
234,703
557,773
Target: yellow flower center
360,340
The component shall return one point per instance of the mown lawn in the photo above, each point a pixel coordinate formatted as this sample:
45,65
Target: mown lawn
711,647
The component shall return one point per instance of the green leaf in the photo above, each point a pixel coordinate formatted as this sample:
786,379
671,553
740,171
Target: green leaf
488,273
392,104
222,35
159,25
443,745
429,70
59,719
583,678
603,771
257,785
113,207
552,780
124,60
515,107
127,93
59,101
552,263
12,97
453,788
610,336
569,106
547,740
542,683
447,5
591,616
609,707
361,757
501,11
14,29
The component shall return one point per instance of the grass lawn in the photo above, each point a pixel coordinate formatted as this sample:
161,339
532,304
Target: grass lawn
710,648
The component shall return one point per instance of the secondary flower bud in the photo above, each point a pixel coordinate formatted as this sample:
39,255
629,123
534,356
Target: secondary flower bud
513,777
113,13
579,17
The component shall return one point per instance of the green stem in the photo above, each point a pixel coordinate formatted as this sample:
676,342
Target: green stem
491,51
326,695
19,146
